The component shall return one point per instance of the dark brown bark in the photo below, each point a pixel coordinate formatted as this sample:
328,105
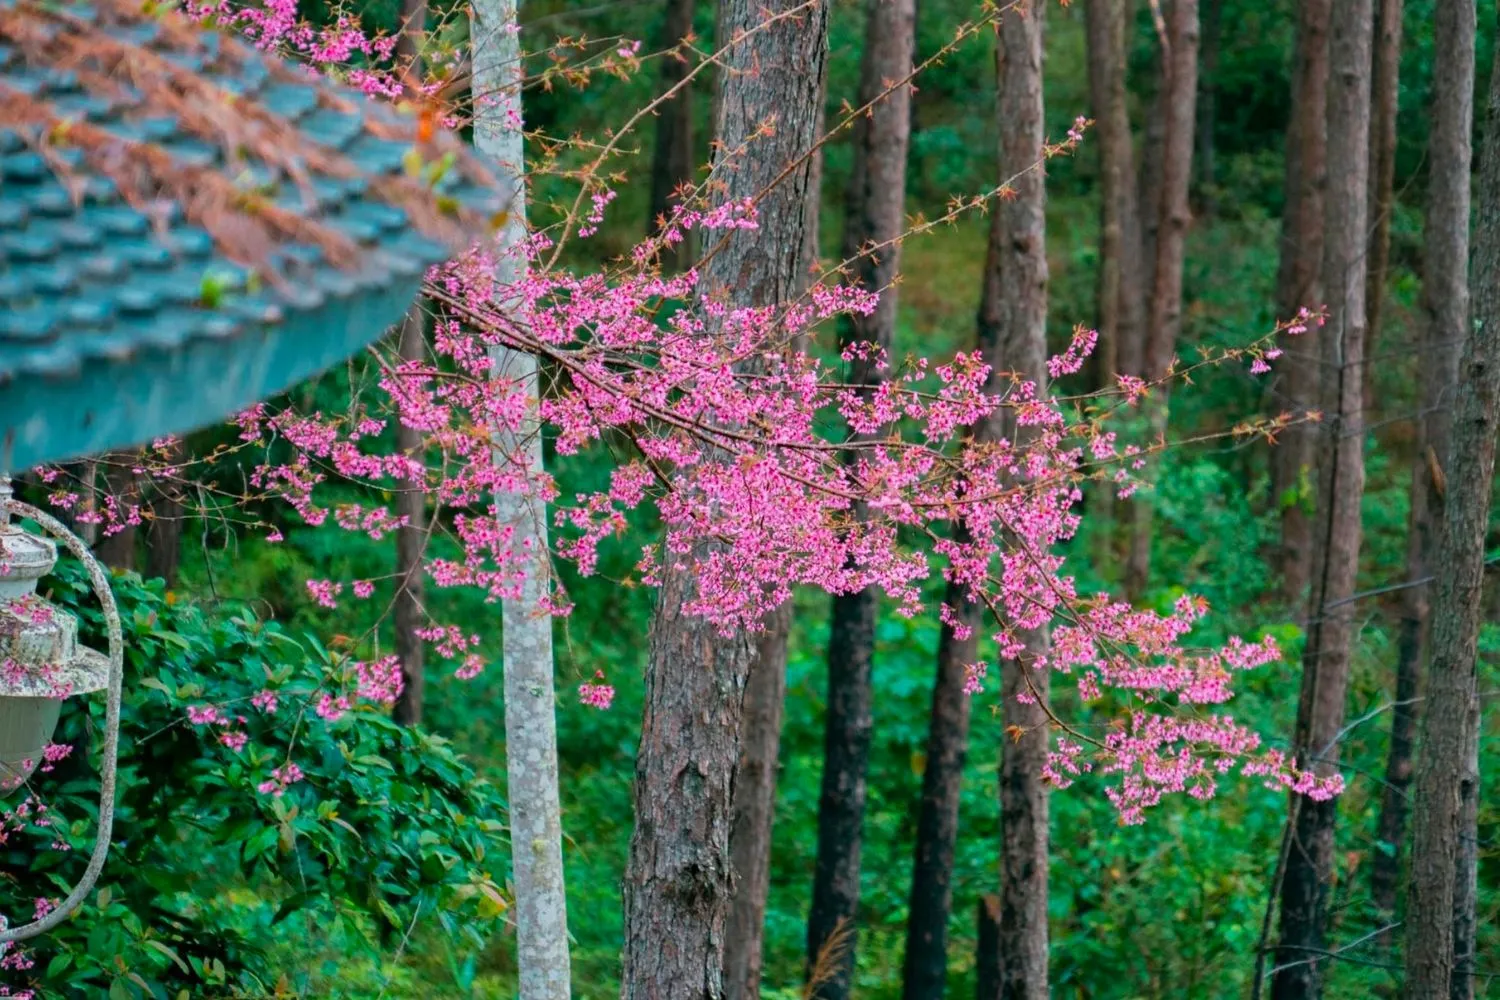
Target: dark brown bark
987,953
1208,103
1330,630
679,877
1013,328
924,975
164,538
1445,297
874,215
755,808
1384,89
765,698
411,542
117,551
1447,774
1466,867
1299,285
672,156
1172,215
1121,306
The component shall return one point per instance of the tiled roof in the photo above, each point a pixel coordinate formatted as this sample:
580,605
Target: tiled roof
142,296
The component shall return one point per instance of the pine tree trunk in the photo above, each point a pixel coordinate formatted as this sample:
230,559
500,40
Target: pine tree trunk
987,952
1178,109
1440,888
765,698
1330,631
925,972
1013,329
164,532
679,880
1105,24
1208,103
411,500
755,808
874,214
1445,298
672,160
541,915
1384,89
1298,285
1121,305
117,550
411,541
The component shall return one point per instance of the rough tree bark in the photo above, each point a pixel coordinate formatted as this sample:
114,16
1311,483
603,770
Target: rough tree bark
1447,777
164,534
1445,298
411,501
678,881
765,699
755,808
541,913
1384,89
411,541
672,160
1208,103
117,550
1014,330
874,214
1121,307
1299,284
1164,318
925,971
1330,629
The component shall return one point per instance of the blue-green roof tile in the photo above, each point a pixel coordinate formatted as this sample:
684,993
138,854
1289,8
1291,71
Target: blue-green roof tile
126,318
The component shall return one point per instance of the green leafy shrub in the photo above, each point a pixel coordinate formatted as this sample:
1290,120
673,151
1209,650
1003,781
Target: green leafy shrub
214,861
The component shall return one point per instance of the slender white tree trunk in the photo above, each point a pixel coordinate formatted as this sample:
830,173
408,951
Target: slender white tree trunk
530,696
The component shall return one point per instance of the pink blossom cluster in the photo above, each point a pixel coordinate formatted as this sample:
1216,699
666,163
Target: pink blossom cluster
724,432
724,429
281,779
595,693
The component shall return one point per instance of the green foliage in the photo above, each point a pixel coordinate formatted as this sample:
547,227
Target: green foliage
390,830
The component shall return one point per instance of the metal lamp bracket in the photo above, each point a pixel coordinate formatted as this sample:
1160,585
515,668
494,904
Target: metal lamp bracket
100,581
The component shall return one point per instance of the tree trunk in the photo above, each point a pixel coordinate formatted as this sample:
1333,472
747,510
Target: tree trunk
1466,868
541,914
1330,630
765,698
164,540
1384,88
755,808
1208,103
1298,285
411,500
874,214
925,972
1121,305
117,551
164,532
678,882
987,954
1013,329
672,161
1446,774
1178,103
411,541
1445,298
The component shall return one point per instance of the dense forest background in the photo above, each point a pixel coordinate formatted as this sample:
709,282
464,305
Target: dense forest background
1173,908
